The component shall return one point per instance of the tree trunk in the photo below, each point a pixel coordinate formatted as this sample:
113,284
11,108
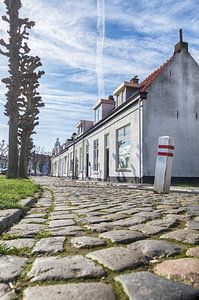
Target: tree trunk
13,148
24,155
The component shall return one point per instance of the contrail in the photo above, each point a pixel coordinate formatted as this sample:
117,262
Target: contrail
100,46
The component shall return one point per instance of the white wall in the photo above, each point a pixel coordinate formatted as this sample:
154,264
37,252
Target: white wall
130,116
172,108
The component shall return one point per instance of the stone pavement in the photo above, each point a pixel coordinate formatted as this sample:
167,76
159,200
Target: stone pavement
90,241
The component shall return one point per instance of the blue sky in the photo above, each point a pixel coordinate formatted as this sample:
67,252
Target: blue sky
89,47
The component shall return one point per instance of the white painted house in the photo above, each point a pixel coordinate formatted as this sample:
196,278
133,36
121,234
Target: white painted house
120,145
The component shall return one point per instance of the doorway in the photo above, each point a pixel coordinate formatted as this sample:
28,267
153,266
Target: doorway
87,165
87,160
106,158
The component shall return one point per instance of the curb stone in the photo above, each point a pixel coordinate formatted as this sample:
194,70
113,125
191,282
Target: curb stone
9,217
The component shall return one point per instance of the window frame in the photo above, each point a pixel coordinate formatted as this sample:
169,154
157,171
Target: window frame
124,137
96,155
81,159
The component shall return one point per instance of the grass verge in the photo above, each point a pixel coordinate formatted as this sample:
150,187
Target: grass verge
12,190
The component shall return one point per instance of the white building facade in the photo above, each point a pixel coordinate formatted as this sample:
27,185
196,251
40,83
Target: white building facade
120,145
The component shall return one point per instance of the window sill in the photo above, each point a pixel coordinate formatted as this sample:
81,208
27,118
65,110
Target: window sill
123,170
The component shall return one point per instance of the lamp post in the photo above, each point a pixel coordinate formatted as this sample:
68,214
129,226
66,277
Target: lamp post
73,137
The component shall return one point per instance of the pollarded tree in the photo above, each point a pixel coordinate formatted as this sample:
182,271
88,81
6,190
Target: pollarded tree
14,49
30,103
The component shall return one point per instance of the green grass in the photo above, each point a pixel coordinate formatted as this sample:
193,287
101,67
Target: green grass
12,190
23,251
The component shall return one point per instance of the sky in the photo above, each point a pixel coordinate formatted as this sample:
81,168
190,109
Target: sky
89,47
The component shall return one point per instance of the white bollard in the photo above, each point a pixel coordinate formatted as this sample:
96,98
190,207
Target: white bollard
163,166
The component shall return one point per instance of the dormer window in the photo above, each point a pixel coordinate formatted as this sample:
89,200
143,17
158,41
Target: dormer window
79,130
98,114
126,90
120,98
103,107
83,126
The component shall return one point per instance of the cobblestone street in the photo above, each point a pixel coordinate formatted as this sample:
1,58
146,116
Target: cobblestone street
95,241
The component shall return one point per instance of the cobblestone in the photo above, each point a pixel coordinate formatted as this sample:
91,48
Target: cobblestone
19,243
11,267
89,233
122,236
49,245
6,293
193,252
185,269
80,291
26,230
9,217
156,249
118,258
183,235
87,242
146,286
60,268
61,223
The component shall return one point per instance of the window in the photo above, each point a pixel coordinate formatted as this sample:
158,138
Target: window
68,165
80,159
120,98
107,141
76,165
95,154
98,114
123,147
80,130
71,162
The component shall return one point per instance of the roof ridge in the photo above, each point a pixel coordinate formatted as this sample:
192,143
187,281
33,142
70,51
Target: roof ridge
146,83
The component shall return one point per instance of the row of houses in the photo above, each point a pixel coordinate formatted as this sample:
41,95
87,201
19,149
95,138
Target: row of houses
120,144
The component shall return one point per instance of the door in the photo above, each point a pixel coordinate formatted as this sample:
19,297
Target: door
107,165
87,165
106,157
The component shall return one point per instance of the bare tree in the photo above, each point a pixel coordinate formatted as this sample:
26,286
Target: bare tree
14,49
29,109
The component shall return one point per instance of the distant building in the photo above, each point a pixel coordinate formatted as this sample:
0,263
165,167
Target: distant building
121,143
40,164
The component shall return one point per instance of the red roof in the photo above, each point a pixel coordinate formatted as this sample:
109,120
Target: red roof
149,80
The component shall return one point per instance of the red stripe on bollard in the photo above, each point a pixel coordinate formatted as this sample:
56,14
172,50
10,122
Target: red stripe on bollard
166,147
165,154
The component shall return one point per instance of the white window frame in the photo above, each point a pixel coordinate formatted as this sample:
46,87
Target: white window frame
80,159
96,155
126,136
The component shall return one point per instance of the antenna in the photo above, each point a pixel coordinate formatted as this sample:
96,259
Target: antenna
181,36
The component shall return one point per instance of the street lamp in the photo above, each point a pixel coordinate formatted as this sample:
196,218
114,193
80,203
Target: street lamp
73,137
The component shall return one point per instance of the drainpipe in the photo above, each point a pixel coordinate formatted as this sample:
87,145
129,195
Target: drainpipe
140,141
143,96
74,162
74,135
83,159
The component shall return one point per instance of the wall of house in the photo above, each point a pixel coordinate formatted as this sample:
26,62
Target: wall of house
130,116
172,108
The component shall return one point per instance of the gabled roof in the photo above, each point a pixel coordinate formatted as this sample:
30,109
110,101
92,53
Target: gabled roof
149,80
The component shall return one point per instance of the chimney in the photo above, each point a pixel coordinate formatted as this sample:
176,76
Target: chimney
181,45
110,97
135,79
